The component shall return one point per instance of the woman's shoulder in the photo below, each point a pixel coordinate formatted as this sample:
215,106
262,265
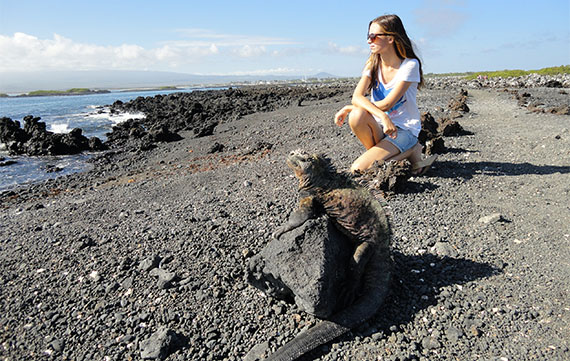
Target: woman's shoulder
409,70
410,62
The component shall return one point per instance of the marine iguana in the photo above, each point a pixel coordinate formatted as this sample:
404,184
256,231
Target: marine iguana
358,215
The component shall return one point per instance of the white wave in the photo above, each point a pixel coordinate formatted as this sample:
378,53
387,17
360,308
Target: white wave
115,118
122,117
59,128
104,115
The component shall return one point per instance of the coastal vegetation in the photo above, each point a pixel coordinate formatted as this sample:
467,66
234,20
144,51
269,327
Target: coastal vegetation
563,69
72,91
553,70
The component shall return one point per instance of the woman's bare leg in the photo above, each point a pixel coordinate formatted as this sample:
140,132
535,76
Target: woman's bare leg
413,155
365,127
370,134
380,152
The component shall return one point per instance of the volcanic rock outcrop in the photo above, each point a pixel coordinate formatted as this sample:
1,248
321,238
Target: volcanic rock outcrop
34,139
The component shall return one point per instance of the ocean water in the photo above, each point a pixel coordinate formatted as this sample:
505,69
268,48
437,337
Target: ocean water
62,114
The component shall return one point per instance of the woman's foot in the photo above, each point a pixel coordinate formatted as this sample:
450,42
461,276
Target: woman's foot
421,167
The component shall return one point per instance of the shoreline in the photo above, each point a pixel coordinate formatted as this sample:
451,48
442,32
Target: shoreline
489,76
49,93
206,86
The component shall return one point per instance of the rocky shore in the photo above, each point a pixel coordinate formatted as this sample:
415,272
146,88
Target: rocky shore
145,256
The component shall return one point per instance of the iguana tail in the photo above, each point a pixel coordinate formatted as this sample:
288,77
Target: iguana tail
322,333
375,289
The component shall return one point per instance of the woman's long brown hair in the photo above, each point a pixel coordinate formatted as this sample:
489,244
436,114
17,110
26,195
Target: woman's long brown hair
392,25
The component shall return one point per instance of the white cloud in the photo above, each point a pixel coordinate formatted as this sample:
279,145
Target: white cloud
129,52
347,50
27,52
22,52
248,51
166,52
213,49
291,51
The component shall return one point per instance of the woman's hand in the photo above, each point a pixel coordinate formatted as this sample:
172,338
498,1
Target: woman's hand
341,115
389,128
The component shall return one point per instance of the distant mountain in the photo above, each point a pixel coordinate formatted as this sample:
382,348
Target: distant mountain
21,82
323,75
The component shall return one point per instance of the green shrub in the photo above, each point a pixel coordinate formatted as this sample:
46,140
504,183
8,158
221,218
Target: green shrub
563,69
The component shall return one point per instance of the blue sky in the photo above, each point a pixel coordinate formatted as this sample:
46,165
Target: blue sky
276,37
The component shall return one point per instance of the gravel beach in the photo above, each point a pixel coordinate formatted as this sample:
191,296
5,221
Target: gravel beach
145,256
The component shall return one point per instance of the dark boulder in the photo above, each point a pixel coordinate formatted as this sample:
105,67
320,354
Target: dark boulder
449,127
95,144
10,131
33,126
459,102
131,128
161,133
429,128
161,344
306,265
553,84
435,146
72,143
387,177
34,139
458,105
6,163
205,129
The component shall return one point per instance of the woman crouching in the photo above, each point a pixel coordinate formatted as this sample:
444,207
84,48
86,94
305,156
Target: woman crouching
389,123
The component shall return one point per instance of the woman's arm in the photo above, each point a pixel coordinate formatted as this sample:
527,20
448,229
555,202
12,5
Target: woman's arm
340,116
395,95
359,99
408,73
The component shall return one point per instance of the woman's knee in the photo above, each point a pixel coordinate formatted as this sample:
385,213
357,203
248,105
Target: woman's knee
358,117
363,162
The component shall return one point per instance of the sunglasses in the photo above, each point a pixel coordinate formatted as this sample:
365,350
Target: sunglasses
372,37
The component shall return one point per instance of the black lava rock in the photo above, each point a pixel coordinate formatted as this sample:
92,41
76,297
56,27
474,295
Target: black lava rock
307,264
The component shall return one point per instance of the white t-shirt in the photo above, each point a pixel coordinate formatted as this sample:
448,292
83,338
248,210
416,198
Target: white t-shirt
405,113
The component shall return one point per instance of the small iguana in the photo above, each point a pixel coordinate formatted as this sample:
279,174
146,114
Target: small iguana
359,216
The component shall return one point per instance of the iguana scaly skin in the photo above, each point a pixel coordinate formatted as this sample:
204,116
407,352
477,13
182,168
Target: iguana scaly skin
361,218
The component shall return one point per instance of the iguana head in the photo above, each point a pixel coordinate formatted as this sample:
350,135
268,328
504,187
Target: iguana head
311,169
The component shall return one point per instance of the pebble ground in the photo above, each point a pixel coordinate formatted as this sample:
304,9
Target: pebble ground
94,264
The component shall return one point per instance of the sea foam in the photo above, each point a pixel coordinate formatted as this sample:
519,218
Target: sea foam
115,118
59,128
